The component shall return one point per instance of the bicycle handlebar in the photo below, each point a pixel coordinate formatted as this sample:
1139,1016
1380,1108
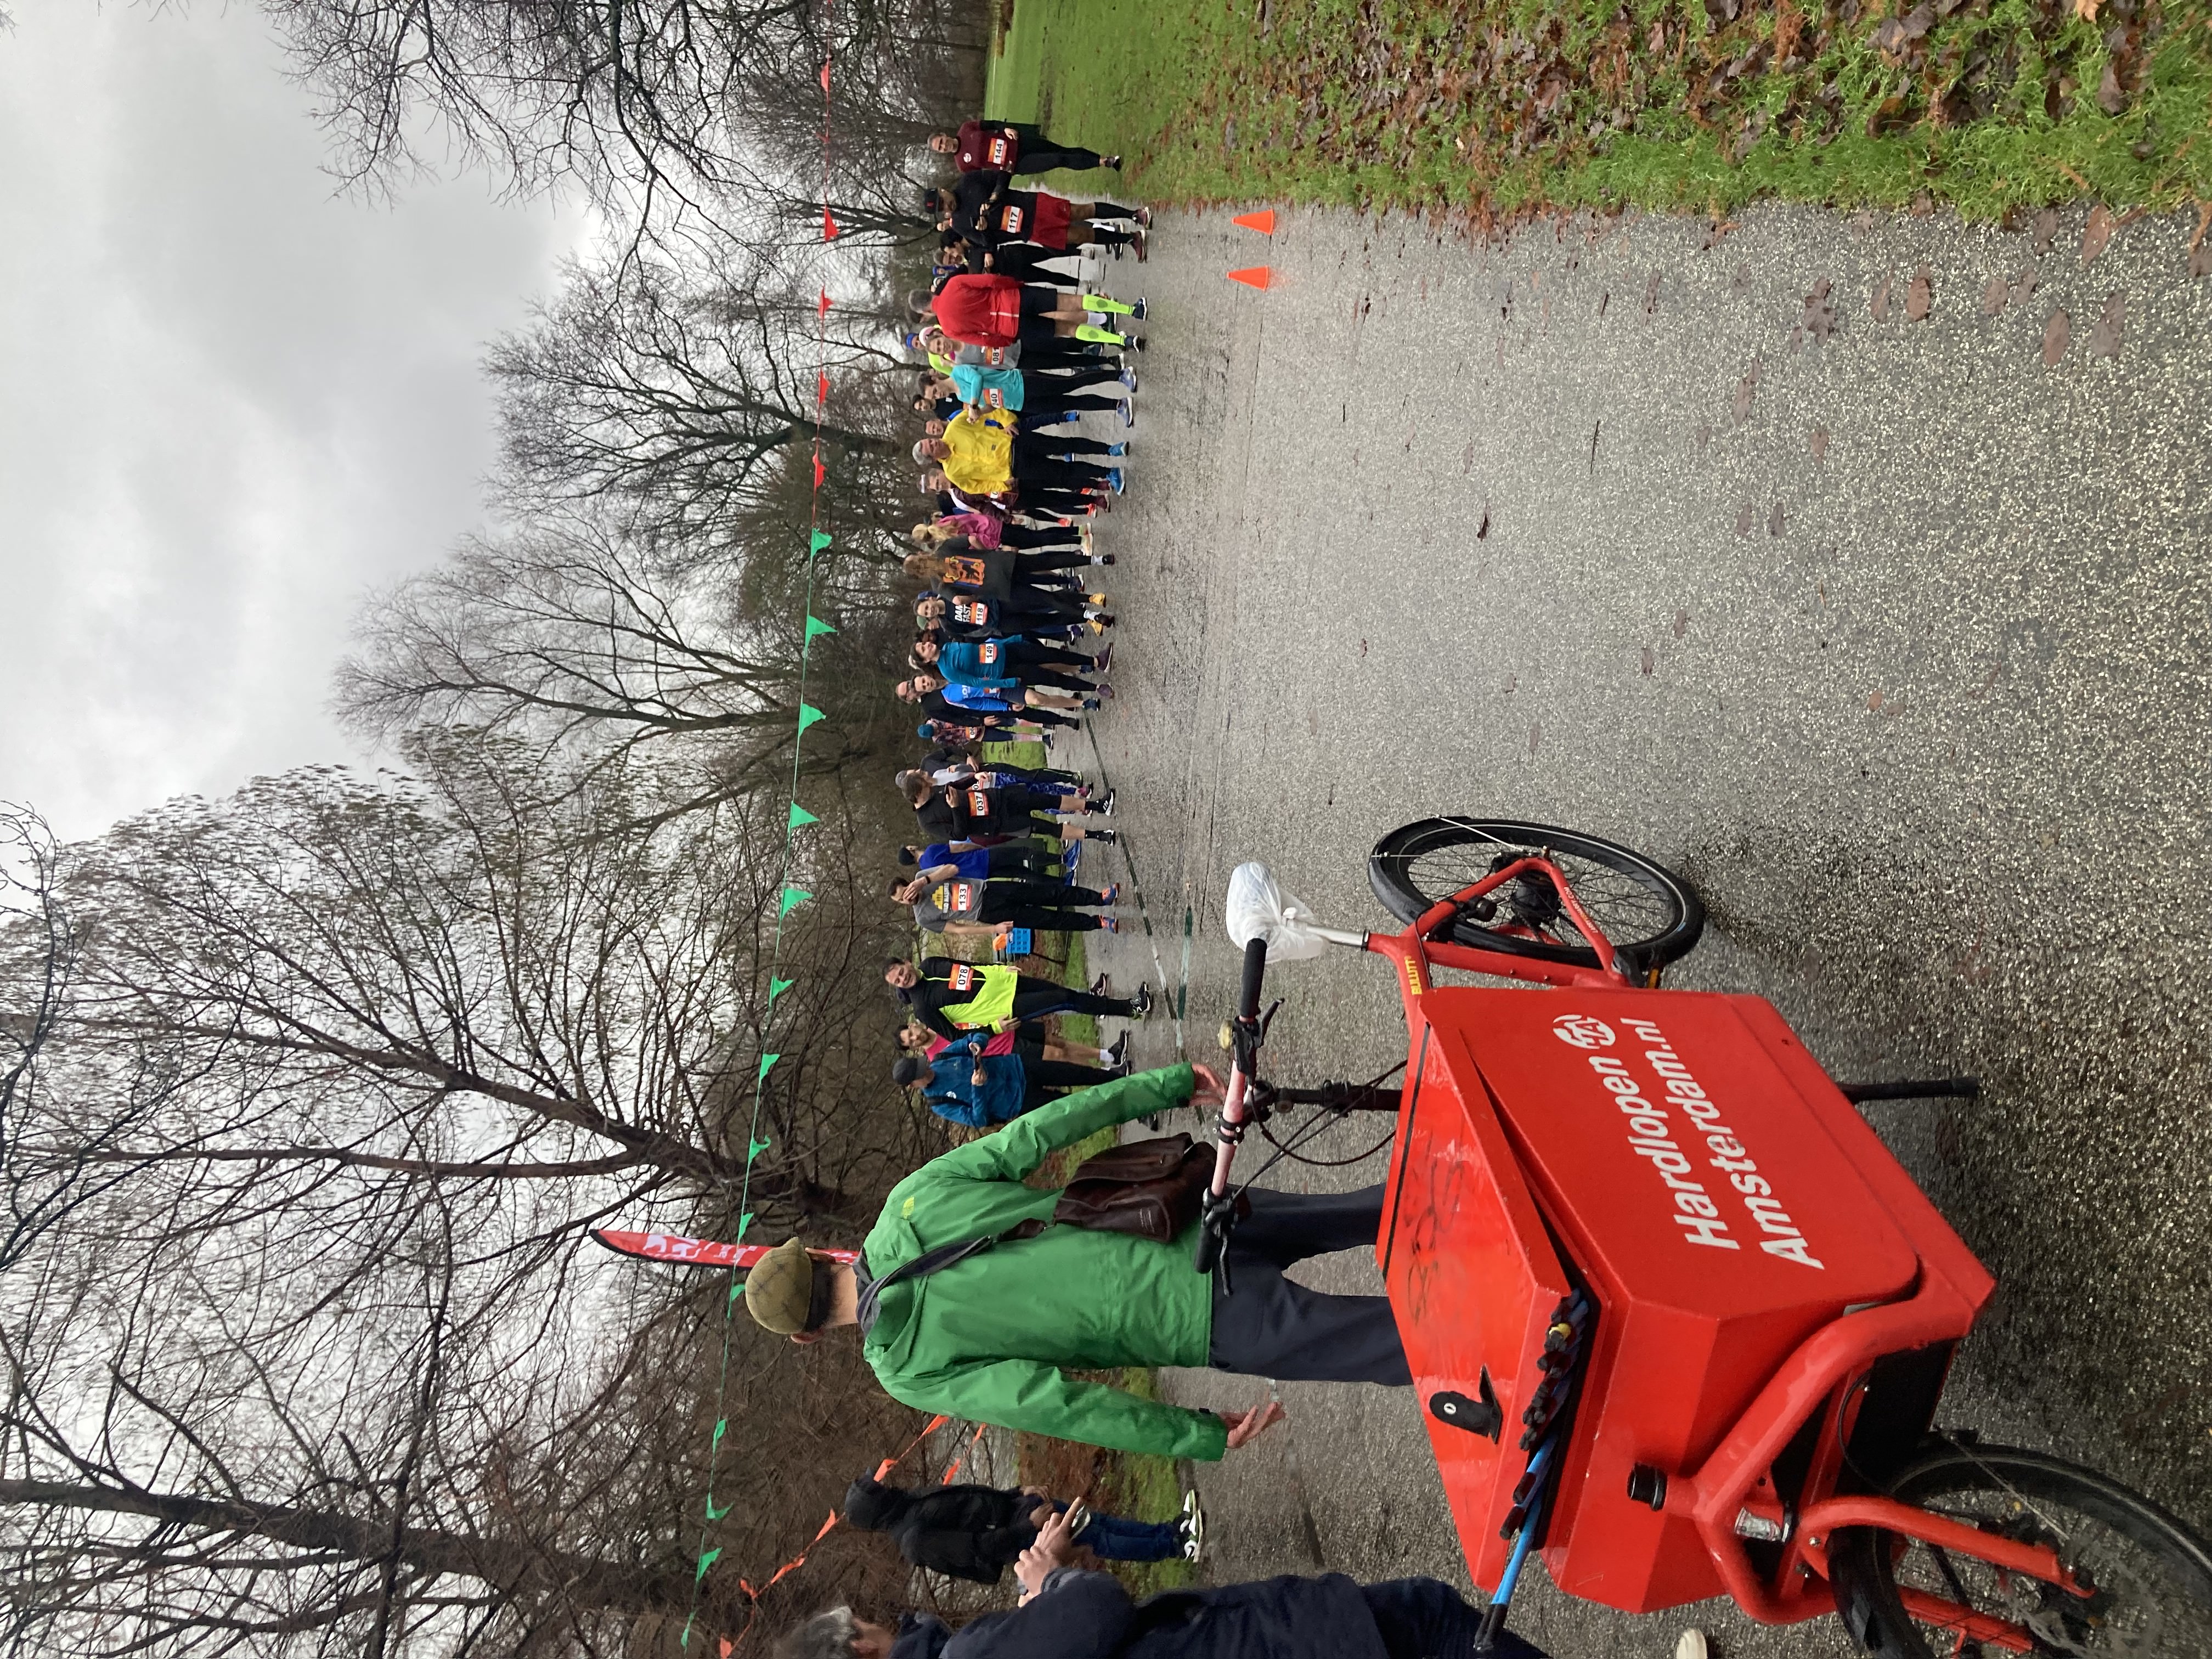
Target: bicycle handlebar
1255,972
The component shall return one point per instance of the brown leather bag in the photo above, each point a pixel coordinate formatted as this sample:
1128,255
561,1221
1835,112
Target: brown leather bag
1150,1188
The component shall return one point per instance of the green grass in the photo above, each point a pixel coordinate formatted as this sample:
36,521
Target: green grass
1503,107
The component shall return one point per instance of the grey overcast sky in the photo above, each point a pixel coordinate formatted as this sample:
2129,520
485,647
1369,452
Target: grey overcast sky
230,401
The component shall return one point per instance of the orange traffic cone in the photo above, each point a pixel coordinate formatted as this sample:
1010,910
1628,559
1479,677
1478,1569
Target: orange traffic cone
1263,221
1254,277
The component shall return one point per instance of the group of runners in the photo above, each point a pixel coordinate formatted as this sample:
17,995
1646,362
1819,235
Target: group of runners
1009,626
967,1299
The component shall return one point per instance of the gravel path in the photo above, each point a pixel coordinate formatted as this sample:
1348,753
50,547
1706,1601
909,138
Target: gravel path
1889,637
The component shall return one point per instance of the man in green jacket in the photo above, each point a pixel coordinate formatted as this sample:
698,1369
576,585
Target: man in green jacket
993,1336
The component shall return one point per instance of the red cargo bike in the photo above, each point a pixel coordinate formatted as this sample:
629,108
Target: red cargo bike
1679,1320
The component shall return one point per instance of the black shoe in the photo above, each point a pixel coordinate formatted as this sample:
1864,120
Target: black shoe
1102,805
1119,1053
1141,1004
1104,837
1102,661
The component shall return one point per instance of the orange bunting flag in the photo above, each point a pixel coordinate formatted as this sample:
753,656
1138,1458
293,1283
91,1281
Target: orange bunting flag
822,306
727,1646
1263,221
821,388
825,78
829,227
820,472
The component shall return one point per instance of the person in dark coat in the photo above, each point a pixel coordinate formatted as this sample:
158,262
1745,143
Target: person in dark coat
1072,1614
978,1532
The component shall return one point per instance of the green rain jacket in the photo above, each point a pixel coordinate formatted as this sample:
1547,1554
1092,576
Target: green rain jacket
992,1338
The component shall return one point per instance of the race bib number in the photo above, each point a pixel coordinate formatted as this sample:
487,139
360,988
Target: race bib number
987,652
979,803
993,398
962,977
959,898
1010,220
959,569
1001,151
974,612
996,355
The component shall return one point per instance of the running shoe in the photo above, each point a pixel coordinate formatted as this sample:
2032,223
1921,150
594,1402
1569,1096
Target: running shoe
1104,837
1128,416
1141,1004
1112,162
1102,558
1109,893
1120,1051
1105,691
1078,1518
1095,625
1096,599
1193,1527
1134,343
1142,246
1128,377
1117,450
1098,989
1101,663
1114,477
1137,309
1144,218
1071,857
1109,924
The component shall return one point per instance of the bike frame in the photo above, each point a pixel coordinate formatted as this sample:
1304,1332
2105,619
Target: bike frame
1819,1377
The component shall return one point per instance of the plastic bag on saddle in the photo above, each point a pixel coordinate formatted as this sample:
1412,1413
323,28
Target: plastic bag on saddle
1258,908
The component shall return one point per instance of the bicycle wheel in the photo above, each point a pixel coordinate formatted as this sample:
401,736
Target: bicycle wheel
2150,1576
1648,914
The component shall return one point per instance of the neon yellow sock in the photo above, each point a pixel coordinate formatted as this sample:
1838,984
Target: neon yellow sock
1093,332
1106,302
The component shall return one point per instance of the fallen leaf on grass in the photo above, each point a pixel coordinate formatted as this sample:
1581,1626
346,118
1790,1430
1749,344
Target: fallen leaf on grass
1879,304
2046,231
1819,442
1774,520
1656,42
2086,9
2056,334
1920,297
1744,517
1681,623
2110,98
2107,332
2097,233
1996,296
1650,661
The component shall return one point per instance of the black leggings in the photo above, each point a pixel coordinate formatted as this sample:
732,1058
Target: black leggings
1045,474
1074,159
1062,999
1060,381
1045,904
1026,654
1071,446
1015,858
1058,411
1026,261
1024,538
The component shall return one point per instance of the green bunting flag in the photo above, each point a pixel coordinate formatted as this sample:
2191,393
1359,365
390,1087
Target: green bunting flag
792,898
737,1290
721,1428
776,987
807,715
817,541
755,1150
707,1561
743,1222
714,1513
815,625
768,1060
684,1640
800,817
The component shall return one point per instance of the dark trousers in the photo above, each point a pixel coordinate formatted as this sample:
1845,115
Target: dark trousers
1039,996
1024,654
1034,605
1267,1326
1036,777
1057,446
1023,539
1041,561
1025,262
1059,411
1060,351
1071,379
1044,904
1035,471
1073,158
1014,857
1425,1618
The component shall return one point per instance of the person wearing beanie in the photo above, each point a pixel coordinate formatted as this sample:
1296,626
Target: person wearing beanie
963,1309
966,1085
976,1533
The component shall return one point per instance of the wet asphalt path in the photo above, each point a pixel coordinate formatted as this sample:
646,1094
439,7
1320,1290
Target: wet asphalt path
1895,642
